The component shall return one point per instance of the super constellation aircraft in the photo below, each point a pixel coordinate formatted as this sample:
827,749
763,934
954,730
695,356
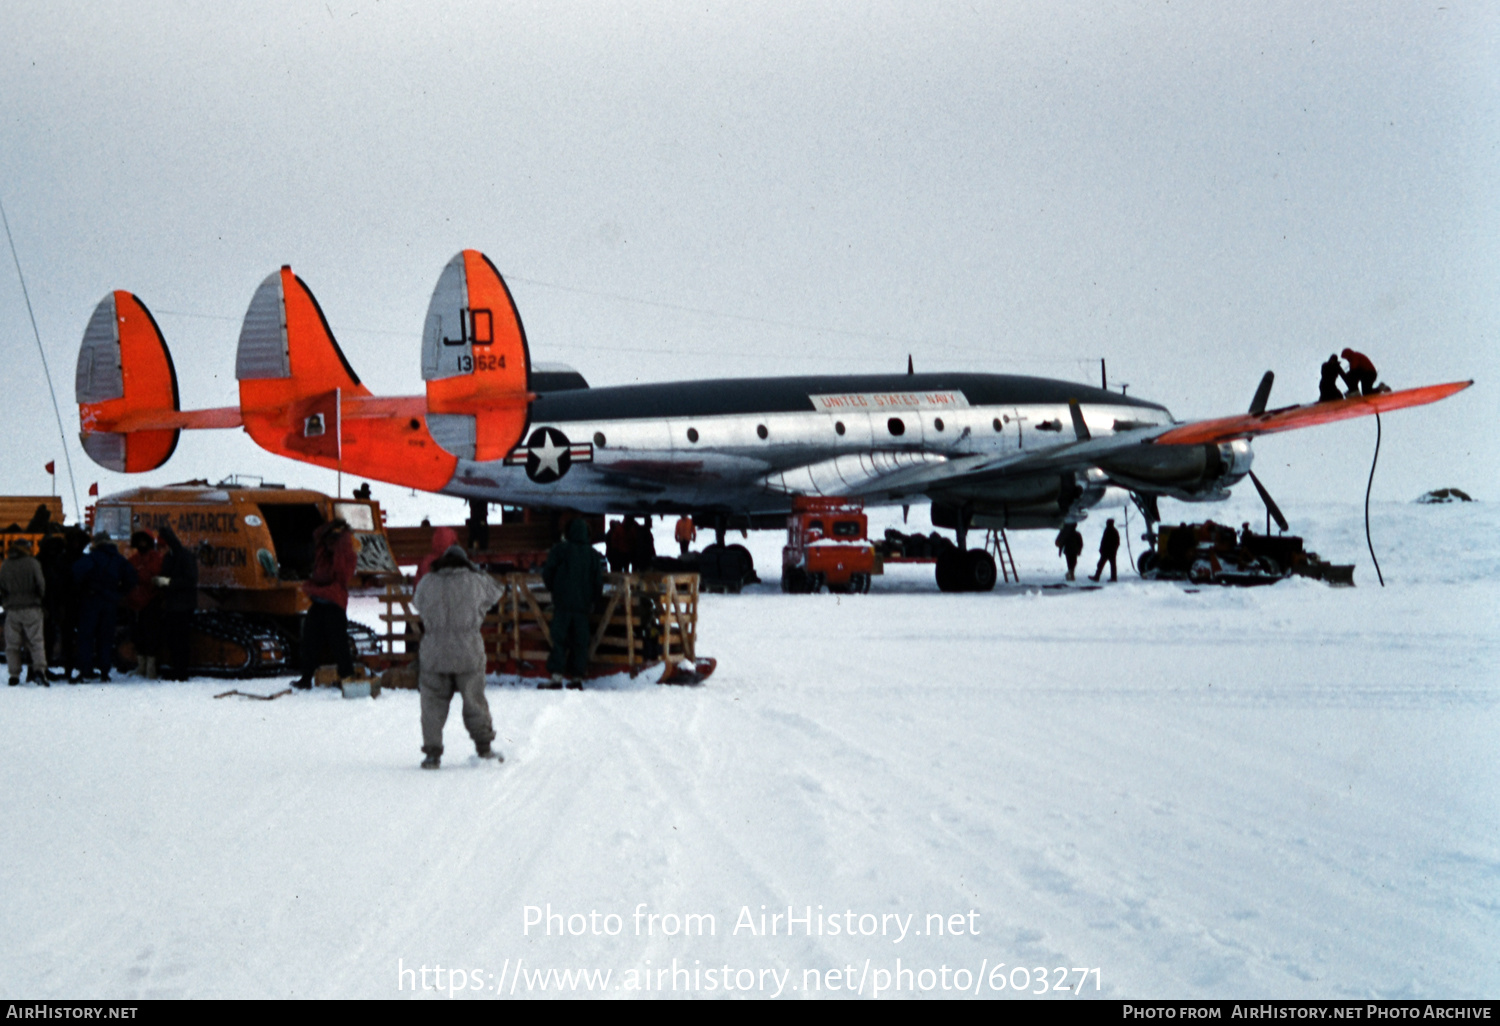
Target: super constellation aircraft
987,450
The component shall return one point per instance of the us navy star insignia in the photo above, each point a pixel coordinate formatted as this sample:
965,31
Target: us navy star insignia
547,455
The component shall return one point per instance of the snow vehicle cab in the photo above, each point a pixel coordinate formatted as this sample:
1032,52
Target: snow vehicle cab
827,545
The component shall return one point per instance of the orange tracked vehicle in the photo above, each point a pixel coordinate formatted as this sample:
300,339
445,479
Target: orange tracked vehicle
254,548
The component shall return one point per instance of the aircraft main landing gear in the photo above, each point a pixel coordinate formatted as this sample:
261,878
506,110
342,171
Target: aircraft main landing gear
966,570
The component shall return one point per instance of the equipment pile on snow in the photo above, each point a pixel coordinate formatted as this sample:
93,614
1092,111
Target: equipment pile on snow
1210,553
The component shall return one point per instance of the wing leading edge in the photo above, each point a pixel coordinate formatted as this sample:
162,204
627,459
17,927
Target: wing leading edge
1136,458
1290,418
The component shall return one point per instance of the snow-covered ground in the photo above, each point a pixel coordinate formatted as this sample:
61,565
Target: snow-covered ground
1278,792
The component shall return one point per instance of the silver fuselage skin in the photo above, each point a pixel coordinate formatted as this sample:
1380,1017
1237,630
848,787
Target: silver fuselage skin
744,447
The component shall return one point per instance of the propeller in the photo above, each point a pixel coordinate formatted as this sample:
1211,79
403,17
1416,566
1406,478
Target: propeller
1262,396
1265,496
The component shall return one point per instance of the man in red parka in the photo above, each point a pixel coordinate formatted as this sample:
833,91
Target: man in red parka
325,632
1360,377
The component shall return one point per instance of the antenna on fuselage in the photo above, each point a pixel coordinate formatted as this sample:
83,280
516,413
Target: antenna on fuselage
909,369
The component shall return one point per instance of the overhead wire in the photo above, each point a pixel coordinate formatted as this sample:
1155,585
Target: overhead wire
47,370
1078,362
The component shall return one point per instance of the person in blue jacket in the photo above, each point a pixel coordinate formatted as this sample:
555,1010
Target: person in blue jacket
103,577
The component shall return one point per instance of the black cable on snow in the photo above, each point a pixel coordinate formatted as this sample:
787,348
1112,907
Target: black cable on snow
1368,486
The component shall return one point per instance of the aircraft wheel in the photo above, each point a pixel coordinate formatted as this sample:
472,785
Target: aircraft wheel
793,580
979,571
1146,563
950,567
745,560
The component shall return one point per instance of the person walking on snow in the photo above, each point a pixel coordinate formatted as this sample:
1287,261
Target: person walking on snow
22,588
574,575
1070,546
1109,544
686,533
452,601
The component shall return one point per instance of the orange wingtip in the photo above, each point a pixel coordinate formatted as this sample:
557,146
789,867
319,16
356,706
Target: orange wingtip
1291,418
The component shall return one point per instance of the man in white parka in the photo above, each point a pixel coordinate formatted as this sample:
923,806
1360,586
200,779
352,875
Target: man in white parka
452,601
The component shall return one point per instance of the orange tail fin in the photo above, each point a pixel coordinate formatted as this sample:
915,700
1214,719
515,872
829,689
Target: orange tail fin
293,376
125,374
475,361
299,397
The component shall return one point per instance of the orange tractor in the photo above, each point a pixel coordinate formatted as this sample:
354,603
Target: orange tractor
254,548
827,545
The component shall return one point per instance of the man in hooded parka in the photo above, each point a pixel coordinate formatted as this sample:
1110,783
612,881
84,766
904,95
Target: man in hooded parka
103,577
574,575
452,601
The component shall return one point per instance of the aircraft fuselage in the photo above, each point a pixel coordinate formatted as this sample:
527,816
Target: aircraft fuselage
747,446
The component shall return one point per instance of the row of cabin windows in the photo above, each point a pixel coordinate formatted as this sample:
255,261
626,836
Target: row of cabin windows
895,425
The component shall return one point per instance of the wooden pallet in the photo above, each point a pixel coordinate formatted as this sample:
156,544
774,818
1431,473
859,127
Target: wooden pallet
644,620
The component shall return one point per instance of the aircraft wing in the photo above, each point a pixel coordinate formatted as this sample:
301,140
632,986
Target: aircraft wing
1290,418
1170,455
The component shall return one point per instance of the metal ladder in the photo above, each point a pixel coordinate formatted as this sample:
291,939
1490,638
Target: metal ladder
998,546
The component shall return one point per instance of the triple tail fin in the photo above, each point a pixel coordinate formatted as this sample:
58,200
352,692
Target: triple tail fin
125,378
475,361
293,376
300,398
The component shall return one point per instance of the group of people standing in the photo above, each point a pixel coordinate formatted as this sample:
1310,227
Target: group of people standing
1070,546
630,547
63,605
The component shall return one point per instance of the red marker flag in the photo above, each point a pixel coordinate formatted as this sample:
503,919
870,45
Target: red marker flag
52,468
94,488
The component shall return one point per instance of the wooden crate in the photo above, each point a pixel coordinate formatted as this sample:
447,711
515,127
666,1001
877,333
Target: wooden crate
645,619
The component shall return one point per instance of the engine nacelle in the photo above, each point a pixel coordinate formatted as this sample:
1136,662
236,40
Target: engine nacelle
1191,473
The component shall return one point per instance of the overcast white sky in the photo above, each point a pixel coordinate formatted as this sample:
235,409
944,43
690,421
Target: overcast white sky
1196,192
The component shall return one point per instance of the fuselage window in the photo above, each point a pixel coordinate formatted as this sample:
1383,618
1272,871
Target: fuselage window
938,423
599,439
760,429
692,434
896,426
996,422
838,427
